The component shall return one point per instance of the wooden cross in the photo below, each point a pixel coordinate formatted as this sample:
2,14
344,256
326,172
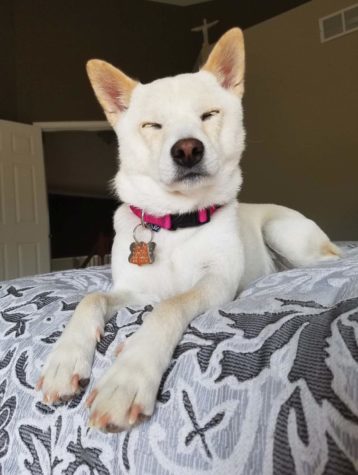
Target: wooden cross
204,28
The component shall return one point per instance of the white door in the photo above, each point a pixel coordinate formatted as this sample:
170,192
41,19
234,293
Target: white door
24,221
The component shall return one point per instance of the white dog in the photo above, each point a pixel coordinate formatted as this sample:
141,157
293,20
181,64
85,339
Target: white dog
182,240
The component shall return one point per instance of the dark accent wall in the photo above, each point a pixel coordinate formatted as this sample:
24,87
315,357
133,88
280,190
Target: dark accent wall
8,106
53,39
76,223
80,163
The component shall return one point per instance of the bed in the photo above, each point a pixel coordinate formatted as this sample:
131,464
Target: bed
267,384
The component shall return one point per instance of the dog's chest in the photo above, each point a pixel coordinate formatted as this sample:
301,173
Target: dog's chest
181,258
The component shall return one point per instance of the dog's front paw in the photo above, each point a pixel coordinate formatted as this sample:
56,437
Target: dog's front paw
67,370
68,367
127,392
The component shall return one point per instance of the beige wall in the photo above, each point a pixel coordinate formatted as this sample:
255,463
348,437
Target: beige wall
301,110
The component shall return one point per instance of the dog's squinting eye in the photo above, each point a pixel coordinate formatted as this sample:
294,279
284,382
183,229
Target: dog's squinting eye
209,114
151,125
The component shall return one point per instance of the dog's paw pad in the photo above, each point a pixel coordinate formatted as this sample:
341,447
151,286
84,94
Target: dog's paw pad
105,422
112,428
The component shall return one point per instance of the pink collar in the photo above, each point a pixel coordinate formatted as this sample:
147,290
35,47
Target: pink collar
175,221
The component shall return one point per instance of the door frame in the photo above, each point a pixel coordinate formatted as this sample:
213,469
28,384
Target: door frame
81,126
70,126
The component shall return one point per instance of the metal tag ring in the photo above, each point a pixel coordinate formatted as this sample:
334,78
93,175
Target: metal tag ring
140,225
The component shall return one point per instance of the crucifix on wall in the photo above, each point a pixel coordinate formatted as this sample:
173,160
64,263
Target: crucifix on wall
206,46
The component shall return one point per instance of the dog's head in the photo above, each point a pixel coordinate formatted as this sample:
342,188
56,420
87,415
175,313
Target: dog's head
181,137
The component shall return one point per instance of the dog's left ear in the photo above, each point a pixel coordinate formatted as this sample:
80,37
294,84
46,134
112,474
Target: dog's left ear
227,61
112,87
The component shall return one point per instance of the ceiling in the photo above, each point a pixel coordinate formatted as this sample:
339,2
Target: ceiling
181,3
244,12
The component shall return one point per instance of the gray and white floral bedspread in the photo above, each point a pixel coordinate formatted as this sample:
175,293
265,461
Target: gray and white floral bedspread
267,384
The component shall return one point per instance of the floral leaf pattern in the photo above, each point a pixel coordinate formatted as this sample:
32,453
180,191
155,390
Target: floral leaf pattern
20,370
7,409
262,380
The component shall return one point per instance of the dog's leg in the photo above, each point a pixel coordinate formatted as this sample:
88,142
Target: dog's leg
298,240
129,388
68,367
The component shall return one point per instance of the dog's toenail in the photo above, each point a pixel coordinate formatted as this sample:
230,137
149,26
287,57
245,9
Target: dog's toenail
74,381
39,383
119,349
98,335
91,397
134,414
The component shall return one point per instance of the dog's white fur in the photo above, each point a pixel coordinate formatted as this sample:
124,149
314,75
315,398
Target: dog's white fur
195,268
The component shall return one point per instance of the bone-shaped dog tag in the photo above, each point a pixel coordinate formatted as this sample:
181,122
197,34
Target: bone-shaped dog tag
142,253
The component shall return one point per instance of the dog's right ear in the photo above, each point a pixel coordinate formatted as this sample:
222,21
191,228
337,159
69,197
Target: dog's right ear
113,88
227,61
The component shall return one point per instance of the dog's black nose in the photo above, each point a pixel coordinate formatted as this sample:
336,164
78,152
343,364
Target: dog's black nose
187,152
